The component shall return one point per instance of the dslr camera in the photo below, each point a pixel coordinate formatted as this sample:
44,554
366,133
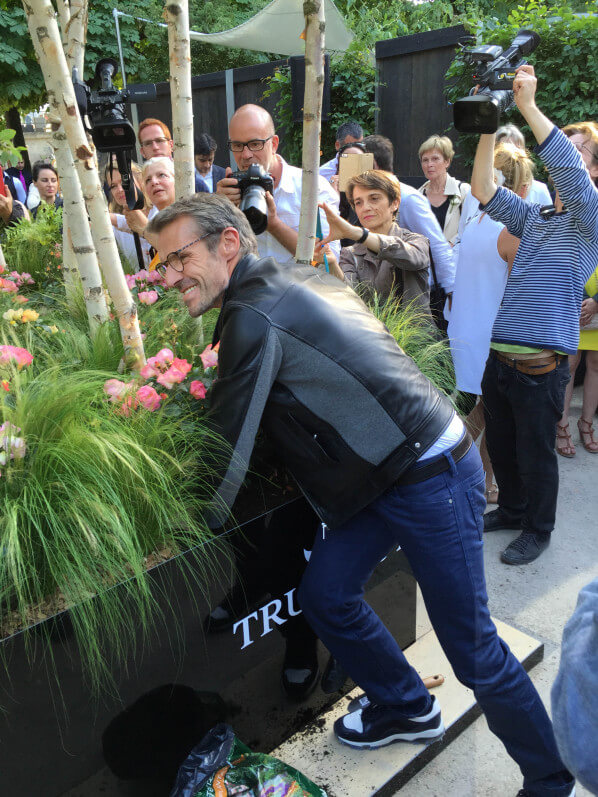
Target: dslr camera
109,127
494,74
253,184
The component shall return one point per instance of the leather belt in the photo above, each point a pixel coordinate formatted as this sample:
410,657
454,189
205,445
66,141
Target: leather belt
537,367
419,473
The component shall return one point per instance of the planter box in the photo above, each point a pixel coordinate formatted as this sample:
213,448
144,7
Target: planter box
51,728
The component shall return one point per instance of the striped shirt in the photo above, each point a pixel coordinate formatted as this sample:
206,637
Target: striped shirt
557,254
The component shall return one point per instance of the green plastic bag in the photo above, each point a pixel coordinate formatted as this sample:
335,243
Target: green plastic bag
222,766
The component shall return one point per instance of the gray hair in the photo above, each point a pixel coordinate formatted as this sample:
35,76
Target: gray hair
510,133
211,214
159,160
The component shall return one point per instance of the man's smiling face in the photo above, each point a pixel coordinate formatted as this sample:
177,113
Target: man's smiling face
205,274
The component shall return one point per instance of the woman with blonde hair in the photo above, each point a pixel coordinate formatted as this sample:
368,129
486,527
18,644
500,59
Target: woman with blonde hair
445,194
584,137
484,252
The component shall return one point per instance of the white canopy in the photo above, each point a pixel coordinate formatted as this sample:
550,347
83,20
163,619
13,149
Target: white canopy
276,29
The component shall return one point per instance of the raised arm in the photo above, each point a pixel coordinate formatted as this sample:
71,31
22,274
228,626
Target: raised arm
483,186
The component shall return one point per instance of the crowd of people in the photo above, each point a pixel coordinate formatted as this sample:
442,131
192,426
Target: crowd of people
504,268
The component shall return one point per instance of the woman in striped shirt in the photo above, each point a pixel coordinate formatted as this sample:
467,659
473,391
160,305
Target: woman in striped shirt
537,326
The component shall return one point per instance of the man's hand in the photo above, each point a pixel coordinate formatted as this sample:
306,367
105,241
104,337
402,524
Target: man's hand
5,206
339,228
229,187
273,220
588,309
524,87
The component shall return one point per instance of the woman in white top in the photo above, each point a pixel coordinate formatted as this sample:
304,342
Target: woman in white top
484,253
119,211
445,194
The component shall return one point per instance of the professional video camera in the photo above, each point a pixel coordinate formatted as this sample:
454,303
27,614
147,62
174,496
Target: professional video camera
253,184
110,129
494,74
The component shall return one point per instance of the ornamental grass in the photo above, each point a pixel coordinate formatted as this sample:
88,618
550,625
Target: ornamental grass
90,495
418,337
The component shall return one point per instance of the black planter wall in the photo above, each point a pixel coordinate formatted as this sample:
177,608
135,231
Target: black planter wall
206,669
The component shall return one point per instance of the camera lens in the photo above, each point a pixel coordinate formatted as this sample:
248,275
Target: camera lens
254,206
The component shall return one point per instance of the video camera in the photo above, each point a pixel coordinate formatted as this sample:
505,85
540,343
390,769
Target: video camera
494,74
253,185
109,127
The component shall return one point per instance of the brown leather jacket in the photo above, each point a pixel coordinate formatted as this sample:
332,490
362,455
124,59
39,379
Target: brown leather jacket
401,264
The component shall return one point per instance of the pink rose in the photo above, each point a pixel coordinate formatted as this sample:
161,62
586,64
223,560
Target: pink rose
20,356
148,397
130,281
163,357
8,286
141,275
148,371
115,389
209,357
148,297
197,389
175,374
154,278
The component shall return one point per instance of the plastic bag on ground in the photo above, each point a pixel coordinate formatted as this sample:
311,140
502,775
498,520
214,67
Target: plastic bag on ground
222,766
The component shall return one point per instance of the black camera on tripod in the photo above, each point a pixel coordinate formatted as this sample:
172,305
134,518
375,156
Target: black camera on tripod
109,127
253,185
494,75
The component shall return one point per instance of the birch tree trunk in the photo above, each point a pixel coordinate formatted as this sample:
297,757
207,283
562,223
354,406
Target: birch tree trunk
2,258
79,255
80,261
49,51
313,11
176,14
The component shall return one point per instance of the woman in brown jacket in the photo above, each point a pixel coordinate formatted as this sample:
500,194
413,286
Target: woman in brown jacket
384,256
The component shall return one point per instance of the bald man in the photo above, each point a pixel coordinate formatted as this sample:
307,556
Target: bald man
253,139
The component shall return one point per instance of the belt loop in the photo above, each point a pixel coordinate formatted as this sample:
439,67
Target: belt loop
451,463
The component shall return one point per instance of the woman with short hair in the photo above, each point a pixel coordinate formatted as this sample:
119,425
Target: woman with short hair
385,257
444,193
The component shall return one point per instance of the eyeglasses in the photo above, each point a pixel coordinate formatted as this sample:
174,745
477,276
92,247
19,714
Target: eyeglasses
255,145
150,141
174,258
582,147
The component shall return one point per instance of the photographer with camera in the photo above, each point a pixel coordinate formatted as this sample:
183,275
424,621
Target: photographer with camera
254,144
537,325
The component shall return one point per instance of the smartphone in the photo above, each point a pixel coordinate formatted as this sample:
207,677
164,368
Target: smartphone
351,165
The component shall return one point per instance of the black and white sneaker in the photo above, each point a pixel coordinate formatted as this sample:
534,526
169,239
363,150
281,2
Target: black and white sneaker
526,793
376,726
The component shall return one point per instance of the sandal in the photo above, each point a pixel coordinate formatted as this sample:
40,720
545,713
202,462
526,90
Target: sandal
592,445
492,495
567,450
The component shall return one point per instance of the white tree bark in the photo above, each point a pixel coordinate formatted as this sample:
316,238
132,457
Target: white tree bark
176,14
80,261
76,34
313,11
2,258
46,40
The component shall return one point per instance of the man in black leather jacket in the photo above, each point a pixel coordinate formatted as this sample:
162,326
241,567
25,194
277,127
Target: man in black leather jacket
383,460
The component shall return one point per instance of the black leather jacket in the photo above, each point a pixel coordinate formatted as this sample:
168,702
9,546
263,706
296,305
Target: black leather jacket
301,354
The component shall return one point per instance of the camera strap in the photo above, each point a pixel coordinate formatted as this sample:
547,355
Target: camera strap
139,250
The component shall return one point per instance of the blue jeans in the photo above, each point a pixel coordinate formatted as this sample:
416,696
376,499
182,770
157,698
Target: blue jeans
438,523
521,413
